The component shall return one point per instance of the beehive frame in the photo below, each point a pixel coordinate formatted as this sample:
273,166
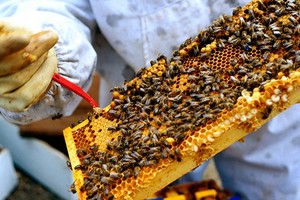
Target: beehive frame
219,86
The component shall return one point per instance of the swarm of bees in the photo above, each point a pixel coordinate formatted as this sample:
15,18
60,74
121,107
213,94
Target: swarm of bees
174,106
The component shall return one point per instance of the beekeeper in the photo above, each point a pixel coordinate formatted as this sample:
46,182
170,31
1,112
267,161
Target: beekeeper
126,35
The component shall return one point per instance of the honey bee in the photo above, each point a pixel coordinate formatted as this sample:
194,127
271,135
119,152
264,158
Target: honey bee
136,171
141,71
152,62
233,62
175,54
234,80
236,10
89,116
81,152
78,167
286,36
242,21
251,13
179,137
234,40
72,188
261,5
56,116
106,180
204,55
92,191
266,112
112,128
135,155
114,175
114,159
207,89
247,47
264,48
288,44
195,50
110,197
221,43
280,11
164,154
178,154
69,164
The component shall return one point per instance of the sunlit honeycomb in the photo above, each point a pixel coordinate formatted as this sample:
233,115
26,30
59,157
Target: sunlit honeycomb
232,75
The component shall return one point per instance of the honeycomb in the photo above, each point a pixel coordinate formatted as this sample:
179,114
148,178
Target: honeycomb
226,82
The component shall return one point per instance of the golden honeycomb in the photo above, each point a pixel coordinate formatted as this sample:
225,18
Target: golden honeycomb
221,85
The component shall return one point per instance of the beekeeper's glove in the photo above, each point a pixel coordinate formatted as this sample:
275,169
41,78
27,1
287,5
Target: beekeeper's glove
27,63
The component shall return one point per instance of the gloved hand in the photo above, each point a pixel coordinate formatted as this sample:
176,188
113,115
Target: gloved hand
27,64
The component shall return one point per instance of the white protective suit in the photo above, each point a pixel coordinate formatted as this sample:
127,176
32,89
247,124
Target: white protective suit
133,32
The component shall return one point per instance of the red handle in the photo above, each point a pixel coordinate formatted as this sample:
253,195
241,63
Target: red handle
74,88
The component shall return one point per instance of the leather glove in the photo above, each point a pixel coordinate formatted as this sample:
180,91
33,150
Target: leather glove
27,64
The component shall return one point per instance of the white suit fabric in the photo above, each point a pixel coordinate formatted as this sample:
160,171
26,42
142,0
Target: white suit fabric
128,34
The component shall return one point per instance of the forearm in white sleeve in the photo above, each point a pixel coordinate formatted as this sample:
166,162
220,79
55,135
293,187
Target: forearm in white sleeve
74,23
